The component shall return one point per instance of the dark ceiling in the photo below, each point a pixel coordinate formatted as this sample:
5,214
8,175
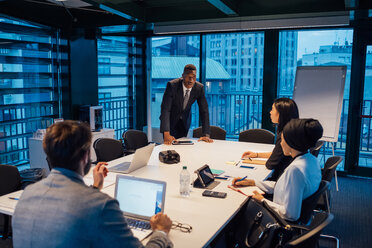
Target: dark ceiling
95,13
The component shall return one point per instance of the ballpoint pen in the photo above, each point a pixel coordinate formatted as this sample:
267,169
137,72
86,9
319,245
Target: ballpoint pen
241,179
14,198
237,190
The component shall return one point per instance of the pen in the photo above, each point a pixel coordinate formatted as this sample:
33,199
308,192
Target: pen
13,198
237,190
247,158
247,167
237,163
241,179
222,178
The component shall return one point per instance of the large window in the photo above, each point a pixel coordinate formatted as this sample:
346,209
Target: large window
234,80
234,71
29,78
169,56
316,48
119,65
365,149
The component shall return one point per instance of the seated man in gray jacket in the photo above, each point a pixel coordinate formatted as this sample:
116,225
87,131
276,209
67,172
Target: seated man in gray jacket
61,211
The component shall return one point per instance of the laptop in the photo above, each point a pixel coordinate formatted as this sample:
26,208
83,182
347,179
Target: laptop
141,158
139,199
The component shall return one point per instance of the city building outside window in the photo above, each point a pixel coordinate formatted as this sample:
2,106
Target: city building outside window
33,63
316,48
118,60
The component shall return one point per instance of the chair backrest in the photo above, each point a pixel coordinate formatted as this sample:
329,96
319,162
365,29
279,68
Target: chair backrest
316,149
310,237
330,167
257,136
10,180
134,139
108,149
216,133
309,204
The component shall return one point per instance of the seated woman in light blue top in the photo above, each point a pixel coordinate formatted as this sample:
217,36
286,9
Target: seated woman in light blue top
301,178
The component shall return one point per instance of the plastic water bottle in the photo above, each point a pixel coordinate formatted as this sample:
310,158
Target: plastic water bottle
185,182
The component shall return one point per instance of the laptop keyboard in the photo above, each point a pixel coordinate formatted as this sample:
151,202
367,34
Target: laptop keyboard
122,167
139,224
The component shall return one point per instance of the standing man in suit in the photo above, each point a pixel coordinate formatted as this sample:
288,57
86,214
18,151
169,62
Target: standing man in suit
180,94
61,211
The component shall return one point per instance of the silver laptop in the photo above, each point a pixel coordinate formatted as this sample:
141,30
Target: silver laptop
139,199
141,158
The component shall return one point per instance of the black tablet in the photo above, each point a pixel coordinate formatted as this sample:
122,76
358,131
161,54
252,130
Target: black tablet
205,175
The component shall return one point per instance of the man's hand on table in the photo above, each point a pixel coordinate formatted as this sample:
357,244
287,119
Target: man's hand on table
161,222
168,138
205,139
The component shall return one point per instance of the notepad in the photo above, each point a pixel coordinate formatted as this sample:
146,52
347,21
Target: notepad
217,172
248,191
254,161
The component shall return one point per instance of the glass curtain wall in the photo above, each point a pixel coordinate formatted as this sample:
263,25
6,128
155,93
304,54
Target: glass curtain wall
329,47
33,61
119,69
365,149
234,73
169,57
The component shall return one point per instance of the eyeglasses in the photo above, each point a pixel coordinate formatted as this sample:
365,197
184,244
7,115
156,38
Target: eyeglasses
186,228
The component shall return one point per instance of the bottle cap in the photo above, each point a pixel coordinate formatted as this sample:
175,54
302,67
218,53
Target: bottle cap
184,167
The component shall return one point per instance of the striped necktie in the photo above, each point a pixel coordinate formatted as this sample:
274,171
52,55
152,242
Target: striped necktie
186,99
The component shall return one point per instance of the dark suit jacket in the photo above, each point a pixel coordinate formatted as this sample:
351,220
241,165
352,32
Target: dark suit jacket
171,107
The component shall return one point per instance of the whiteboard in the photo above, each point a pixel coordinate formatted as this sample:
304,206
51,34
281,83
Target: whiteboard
319,93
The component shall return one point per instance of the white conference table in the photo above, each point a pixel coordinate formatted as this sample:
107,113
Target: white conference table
207,216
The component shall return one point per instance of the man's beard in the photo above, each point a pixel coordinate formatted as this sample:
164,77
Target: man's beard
87,166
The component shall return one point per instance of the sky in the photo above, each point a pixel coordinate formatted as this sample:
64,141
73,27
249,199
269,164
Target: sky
310,41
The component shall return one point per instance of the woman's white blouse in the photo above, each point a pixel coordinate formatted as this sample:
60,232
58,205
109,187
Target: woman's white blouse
300,180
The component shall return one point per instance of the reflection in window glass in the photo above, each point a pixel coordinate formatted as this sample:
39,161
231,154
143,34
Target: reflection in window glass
316,48
118,58
169,57
234,88
32,64
365,150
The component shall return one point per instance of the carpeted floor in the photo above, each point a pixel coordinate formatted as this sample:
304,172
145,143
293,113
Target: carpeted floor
352,208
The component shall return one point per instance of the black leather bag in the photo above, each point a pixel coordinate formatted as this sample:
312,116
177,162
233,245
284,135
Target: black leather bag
261,227
169,157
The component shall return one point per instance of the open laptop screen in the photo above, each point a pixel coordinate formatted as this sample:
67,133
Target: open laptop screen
139,197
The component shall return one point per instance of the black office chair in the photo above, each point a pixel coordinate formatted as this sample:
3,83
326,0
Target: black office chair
216,133
327,175
309,236
309,204
10,181
257,136
108,149
134,139
316,149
